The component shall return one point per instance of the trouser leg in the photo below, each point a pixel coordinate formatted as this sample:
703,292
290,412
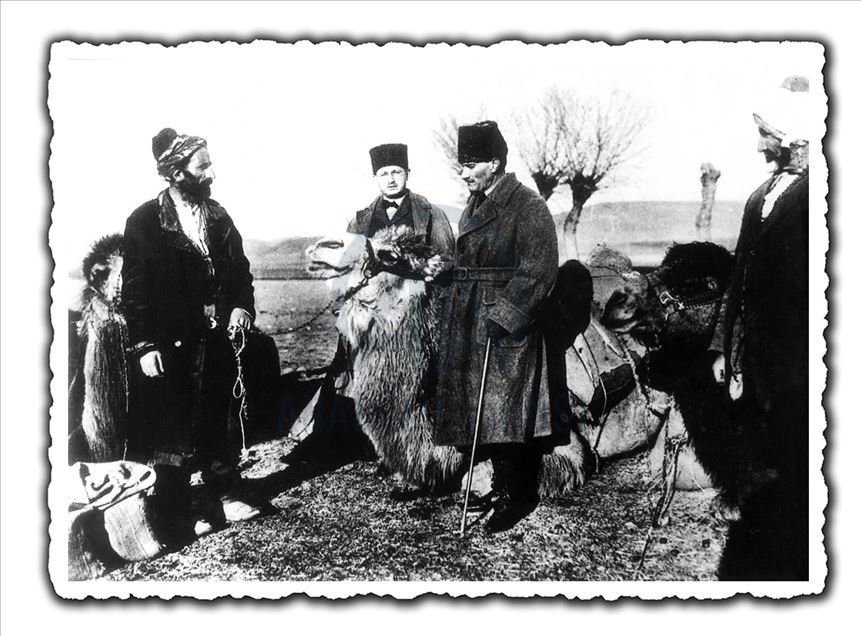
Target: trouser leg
218,430
170,504
516,469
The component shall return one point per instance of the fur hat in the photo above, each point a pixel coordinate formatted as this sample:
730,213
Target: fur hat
481,142
389,155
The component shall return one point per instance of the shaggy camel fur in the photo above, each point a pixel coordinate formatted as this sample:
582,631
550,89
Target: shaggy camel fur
102,334
388,328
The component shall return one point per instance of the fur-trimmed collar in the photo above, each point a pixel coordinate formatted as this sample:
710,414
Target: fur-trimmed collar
168,217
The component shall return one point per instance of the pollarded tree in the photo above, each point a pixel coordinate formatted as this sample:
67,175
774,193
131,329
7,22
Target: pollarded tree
579,142
542,140
445,138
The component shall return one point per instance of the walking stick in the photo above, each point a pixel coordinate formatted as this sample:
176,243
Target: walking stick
475,437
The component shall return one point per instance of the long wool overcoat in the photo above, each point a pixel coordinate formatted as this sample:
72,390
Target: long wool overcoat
506,262
166,283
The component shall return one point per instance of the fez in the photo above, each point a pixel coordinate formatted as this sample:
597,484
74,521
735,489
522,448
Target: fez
481,142
389,155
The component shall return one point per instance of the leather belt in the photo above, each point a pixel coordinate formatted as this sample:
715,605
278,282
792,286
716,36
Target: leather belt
488,274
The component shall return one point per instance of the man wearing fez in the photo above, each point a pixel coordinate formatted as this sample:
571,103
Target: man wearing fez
506,263
397,205
762,335
185,280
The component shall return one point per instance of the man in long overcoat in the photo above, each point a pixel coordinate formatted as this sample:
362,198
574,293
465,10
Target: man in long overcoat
505,265
762,334
184,274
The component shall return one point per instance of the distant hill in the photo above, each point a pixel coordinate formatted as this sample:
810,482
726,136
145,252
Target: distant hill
451,212
279,259
644,229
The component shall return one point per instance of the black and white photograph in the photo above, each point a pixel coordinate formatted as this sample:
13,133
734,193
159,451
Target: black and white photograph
544,317
447,314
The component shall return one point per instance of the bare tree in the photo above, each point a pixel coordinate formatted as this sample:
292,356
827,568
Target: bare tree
445,138
579,142
542,140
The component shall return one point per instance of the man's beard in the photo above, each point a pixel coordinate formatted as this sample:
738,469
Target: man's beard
776,161
193,190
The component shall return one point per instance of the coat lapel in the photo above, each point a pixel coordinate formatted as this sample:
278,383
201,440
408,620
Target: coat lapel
779,210
472,218
169,221
421,210
363,217
419,207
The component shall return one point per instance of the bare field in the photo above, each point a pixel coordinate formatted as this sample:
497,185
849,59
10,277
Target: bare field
285,304
338,523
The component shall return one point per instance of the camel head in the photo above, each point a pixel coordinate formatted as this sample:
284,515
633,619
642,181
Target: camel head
102,269
379,279
676,305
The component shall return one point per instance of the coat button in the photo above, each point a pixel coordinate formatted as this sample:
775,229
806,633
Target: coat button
178,343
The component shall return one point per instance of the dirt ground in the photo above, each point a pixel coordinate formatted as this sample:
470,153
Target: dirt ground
337,522
341,525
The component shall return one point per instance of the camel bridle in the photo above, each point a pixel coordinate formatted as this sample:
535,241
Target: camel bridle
372,267
706,291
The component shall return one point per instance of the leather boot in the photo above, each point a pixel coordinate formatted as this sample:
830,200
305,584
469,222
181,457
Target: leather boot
520,496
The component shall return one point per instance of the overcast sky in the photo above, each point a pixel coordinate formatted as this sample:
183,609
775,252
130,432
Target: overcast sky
289,125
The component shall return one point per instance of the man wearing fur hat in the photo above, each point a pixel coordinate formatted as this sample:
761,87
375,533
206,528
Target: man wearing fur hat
185,279
397,205
761,337
506,262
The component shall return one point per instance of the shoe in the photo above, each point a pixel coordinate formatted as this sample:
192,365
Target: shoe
406,494
509,513
484,503
202,527
236,510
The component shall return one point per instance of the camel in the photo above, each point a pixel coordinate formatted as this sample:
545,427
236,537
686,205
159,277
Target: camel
676,313
672,312
99,385
387,324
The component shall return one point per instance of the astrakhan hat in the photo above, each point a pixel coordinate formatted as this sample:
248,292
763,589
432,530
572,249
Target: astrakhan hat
481,142
389,155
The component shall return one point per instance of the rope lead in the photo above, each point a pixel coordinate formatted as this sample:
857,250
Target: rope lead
237,340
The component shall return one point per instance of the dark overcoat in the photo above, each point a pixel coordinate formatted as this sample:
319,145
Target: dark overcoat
506,263
166,284
763,329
